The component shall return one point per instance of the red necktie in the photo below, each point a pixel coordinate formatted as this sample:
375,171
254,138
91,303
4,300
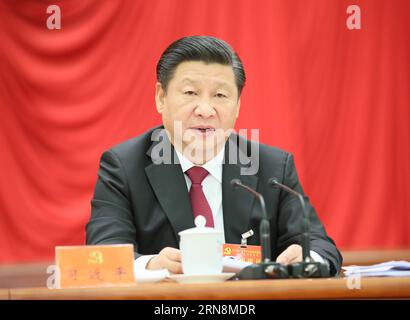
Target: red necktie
200,205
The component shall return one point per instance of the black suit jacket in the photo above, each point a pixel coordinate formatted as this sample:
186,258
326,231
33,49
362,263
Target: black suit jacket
146,204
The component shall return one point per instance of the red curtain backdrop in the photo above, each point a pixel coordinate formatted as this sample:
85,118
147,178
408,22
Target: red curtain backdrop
338,99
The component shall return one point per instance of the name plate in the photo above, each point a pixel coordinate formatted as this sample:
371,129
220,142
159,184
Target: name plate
95,266
252,254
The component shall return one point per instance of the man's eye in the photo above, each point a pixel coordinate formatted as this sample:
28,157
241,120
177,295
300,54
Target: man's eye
189,92
220,95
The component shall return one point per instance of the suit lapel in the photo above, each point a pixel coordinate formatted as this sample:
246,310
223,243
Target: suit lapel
168,183
237,203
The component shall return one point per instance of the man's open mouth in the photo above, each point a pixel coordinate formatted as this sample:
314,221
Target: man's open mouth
204,129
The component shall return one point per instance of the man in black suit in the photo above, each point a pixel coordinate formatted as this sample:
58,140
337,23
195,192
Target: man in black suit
149,189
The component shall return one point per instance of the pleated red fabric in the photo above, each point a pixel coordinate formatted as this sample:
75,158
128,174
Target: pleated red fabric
338,99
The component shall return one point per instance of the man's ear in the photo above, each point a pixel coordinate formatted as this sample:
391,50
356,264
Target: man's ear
159,97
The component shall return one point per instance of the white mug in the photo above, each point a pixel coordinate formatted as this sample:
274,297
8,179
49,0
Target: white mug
201,249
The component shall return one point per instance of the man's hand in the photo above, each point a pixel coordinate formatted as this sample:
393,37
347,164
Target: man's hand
291,255
169,258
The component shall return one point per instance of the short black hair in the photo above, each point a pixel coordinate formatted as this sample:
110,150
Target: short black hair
199,48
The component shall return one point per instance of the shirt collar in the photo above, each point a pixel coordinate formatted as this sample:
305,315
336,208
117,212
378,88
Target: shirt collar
213,166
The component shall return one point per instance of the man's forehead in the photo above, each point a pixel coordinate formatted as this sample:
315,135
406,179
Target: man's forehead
201,66
195,72
199,79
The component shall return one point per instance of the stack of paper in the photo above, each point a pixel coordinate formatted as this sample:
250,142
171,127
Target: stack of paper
385,269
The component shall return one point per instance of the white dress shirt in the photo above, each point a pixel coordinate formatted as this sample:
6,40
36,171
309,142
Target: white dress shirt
212,188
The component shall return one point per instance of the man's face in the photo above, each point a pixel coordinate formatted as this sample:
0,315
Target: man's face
199,108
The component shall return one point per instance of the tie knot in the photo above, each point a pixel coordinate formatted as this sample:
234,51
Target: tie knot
197,174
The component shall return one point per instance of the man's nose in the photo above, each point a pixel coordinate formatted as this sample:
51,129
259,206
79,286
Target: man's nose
204,109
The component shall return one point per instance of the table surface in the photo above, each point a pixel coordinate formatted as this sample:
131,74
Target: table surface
35,274
28,281
4,294
331,288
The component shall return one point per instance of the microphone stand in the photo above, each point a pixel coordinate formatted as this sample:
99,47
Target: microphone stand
266,269
307,268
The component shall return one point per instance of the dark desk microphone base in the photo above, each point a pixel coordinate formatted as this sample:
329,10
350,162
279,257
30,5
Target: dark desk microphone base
309,270
264,270
273,270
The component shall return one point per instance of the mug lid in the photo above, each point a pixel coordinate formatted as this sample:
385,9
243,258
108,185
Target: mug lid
200,227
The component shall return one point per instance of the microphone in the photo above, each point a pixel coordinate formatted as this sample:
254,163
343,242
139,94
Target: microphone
305,238
266,269
264,227
308,268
